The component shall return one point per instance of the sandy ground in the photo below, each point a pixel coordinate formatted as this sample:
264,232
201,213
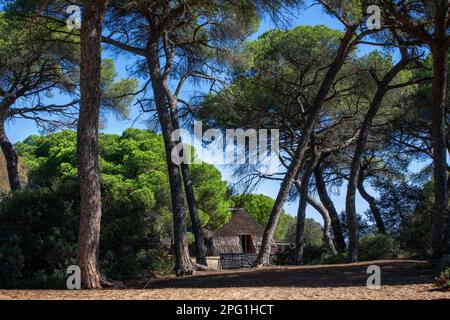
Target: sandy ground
400,280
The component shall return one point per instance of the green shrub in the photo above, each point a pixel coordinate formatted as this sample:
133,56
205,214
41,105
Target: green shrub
443,280
287,256
284,257
377,247
312,253
45,280
38,237
327,258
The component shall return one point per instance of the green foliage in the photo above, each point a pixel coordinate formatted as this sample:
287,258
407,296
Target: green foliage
313,233
311,254
327,258
397,202
52,59
117,94
38,235
48,66
314,247
38,226
212,195
415,233
265,75
259,206
443,280
377,247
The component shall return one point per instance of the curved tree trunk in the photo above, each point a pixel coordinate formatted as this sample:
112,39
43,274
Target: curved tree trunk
195,219
11,158
183,263
372,204
355,166
87,143
440,216
190,196
326,223
301,215
329,205
297,161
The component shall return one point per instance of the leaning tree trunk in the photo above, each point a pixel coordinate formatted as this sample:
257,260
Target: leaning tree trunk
372,204
190,196
183,263
329,205
296,164
355,165
11,158
195,219
440,216
301,214
87,143
326,224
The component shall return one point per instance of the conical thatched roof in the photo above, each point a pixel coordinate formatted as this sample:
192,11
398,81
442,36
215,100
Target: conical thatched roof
241,223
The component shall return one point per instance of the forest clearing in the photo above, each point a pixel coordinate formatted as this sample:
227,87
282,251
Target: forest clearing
401,280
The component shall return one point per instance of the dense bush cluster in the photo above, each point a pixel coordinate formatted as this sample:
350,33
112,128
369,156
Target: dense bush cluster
39,225
377,247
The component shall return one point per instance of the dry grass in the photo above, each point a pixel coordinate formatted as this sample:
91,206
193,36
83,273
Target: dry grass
401,280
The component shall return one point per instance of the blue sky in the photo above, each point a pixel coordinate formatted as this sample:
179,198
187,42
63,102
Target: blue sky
20,129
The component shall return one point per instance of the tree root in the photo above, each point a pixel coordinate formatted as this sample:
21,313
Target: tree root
108,283
200,267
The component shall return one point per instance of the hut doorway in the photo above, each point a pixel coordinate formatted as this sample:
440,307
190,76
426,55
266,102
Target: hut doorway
247,244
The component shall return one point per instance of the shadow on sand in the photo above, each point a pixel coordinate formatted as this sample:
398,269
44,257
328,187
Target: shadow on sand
404,272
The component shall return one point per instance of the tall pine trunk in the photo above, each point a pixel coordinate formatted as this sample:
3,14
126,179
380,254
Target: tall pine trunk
11,158
190,197
302,187
87,143
338,229
296,163
440,216
355,165
183,263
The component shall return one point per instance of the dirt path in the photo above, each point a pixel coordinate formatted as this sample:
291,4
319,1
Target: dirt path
400,280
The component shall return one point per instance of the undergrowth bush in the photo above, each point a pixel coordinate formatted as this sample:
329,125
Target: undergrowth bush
287,256
38,238
328,258
377,247
443,280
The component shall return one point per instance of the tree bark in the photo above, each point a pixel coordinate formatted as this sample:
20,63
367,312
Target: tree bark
87,143
329,205
326,224
190,196
361,142
301,214
295,166
372,204
183,263
11,158
440,216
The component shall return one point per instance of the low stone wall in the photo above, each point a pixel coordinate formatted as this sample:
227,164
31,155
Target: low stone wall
237,260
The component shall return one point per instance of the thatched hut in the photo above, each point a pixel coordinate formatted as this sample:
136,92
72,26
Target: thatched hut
242,235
